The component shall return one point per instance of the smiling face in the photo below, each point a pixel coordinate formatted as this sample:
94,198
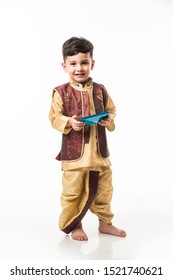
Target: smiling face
78,66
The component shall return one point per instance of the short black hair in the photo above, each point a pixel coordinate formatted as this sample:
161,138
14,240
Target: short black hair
75,45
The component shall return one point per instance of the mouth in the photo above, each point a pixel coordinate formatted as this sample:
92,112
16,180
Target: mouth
80,75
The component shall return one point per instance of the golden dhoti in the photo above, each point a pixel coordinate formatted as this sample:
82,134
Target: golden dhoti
85,189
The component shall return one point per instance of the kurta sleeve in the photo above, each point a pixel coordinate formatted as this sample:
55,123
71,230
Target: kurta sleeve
58,120
110,107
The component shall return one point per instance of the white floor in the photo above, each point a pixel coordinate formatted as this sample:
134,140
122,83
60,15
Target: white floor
149,237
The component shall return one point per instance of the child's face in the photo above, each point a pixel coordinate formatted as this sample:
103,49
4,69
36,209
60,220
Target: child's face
78,66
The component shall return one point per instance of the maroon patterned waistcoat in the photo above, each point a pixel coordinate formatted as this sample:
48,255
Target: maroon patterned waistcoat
76,102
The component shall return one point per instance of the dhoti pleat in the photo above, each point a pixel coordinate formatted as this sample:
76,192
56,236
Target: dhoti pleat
79,190
85,189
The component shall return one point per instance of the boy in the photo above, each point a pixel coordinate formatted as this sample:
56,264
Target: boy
87,176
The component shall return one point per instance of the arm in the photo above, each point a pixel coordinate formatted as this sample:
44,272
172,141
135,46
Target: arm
56,117
62,123
109,122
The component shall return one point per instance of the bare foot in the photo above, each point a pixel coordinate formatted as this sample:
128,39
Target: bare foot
110,229
78,233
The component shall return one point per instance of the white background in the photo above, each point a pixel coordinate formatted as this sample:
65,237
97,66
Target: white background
133,49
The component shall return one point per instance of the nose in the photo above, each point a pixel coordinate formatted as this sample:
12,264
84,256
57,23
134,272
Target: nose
79,67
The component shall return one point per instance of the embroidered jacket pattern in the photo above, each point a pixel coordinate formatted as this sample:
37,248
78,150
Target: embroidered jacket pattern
77,103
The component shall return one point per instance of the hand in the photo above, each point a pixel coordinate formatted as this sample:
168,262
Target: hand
106,121
76,125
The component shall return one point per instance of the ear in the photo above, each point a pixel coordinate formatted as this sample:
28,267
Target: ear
92,64
64,67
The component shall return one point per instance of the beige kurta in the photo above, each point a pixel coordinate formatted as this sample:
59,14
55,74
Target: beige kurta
91,157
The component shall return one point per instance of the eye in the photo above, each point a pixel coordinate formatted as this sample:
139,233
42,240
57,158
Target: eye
72,63
85,62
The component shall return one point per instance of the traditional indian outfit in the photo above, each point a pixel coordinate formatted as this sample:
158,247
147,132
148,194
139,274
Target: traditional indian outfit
87,174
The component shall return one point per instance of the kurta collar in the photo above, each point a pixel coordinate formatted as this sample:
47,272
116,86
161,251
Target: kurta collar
80,86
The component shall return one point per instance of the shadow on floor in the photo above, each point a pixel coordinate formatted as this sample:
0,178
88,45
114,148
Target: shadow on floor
100,247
